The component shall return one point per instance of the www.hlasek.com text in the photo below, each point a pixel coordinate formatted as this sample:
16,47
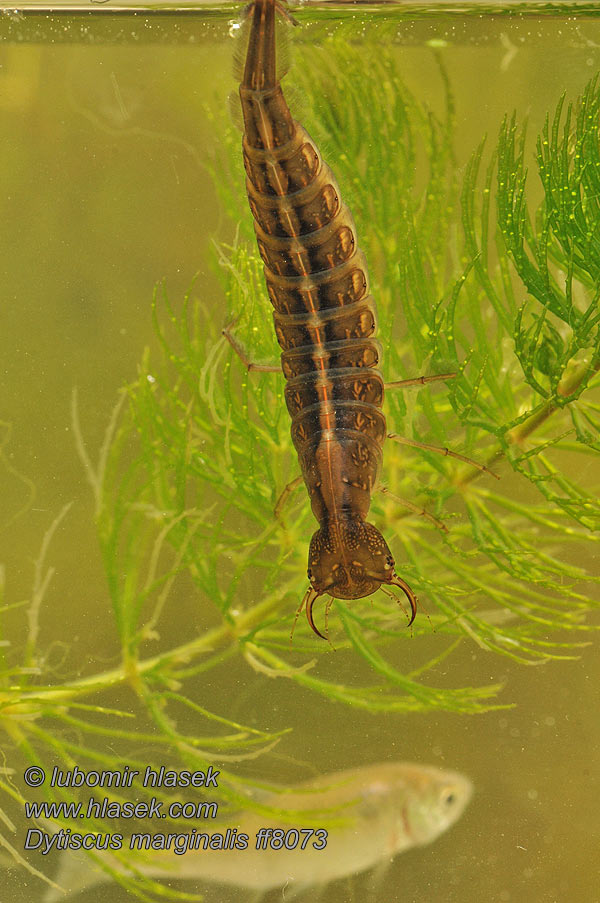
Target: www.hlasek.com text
65,839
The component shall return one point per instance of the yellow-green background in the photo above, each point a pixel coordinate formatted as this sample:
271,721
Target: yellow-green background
103,193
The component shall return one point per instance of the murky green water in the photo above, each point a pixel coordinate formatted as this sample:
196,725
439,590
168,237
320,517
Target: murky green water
111,126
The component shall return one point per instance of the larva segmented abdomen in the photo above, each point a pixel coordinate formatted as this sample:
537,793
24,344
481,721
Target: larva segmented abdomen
325,323
325,318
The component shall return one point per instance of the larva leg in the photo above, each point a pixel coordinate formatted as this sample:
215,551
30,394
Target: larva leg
243,356
308,600
285,494
400,603
298,611
442,451
398,581
406,504
328,605
418,381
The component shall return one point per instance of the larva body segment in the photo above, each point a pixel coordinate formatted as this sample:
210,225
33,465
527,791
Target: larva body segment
325,322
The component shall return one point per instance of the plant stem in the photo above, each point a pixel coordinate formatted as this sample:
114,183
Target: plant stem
124,672
571,380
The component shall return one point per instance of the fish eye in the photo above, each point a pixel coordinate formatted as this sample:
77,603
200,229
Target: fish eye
448,797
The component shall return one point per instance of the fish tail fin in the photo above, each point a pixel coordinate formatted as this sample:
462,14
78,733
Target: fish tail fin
75,874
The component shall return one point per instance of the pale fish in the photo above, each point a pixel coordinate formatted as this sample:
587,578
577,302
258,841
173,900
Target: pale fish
386,809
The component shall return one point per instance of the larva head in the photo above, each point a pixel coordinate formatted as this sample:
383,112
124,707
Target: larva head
350,560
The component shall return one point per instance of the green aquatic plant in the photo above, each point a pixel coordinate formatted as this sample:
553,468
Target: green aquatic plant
460,313
197,455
